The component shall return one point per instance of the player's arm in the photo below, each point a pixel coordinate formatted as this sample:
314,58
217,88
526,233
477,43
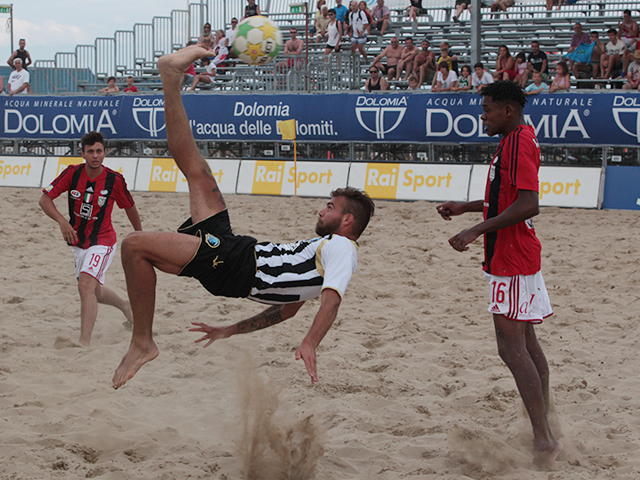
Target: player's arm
525,207
271,316
451,209
329,304
48,207
134,218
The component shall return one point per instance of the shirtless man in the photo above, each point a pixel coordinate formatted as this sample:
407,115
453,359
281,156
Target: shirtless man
282,276
292,47
406,62
425,62
393,53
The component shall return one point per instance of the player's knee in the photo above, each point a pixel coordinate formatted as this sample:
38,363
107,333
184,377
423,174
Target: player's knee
132,243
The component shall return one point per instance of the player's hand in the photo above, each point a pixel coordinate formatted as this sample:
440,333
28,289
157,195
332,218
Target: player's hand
68,233
460,241
308,354
212,333
449,209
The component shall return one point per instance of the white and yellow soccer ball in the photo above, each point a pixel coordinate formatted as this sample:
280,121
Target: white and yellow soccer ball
257,40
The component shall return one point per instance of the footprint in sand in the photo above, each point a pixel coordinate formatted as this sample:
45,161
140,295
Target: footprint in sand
65,342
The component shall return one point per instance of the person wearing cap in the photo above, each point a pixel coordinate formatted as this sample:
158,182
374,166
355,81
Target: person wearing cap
18,79
633,73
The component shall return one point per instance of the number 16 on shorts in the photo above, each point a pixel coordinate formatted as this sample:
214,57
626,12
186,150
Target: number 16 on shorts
521,297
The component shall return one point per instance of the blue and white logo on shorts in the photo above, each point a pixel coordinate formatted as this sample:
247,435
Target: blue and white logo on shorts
212,240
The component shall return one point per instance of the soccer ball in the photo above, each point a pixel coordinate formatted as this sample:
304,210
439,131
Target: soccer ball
257,40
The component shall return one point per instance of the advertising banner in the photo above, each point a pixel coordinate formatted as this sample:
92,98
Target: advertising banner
54,166
622,188
21,171
559,119
163,175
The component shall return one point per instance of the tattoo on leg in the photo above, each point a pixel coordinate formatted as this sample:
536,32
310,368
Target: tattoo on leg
217,190
271,316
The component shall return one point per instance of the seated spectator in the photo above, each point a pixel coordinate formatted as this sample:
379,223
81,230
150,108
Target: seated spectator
461,6
221,52
413,84
319,6
334,34
550,4
578,37
562,80
414,10
633,73
520,67
381,17
612,58
583,59
393,53
538,86
480,78
446,55
111,87
445,79
502,5
505,65
424,63
207,76
464,80
406,62
375,82
628,56
536,62
131,88
292,48
628,29
230,33
322,22
598,49
208,43
358,24
206,33
251,10
19,79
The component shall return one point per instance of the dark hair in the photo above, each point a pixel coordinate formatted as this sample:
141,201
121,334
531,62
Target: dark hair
536,42
628,12
478,65
443,64
563,66
206,59
129,77
522,56
505,91
332,10
409,38
111,78
91,138
207,25
506,48
612,30
468,67
359,204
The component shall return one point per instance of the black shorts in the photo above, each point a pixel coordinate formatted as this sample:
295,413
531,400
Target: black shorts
225,264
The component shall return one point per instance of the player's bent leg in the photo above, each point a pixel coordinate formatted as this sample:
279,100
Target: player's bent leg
106,296
88,306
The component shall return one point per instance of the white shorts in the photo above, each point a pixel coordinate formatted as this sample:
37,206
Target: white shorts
359,40
93,261
522,297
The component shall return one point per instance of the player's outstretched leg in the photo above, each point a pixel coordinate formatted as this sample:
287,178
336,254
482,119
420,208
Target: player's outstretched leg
205,198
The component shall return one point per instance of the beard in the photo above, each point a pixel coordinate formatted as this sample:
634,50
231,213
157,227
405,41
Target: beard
324,229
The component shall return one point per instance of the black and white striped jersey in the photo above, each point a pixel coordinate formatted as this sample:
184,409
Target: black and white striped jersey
294,272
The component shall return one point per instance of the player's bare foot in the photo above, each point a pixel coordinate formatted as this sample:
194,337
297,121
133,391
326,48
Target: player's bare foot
177,62
543,460
135,358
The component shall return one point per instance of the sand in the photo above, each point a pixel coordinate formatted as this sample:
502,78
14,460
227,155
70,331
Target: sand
411,385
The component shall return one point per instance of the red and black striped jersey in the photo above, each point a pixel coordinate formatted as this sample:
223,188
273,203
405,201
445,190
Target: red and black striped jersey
514,250
91,202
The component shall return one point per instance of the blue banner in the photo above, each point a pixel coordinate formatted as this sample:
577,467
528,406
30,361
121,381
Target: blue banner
622,188
560,119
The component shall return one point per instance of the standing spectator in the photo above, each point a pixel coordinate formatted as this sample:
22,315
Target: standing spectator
562,80
505,65
319,7
19,79
206,34
480,78
407,59
362,5
131,88
628,29
613,55
292,48
445,79
520,67
334,34
381,17
424,63
536,62
502,5
414,10
22,54
251,10
393,53
358,24
633,73
464,80
111,87
375,82
322,24
207,76
461,6
231,32
446,55
341,14
538,86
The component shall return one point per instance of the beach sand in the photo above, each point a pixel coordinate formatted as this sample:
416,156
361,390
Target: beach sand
411,385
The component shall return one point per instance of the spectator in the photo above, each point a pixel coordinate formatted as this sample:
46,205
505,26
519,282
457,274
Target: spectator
251,10
413,84
321,25
562,80
628,57
358,25
628,29
131,88
613,55
538,86
221,52
1,86
292,48
375,82
551,2
208,43
502,5
341,13
19,79
414,10
578,37
520,67
480,78
362,5
190,72
319,7
582,59
598,49
536,62
381,17
424,63
461,6
445,79
111,87
446,55
633,73
231,32
505,65
464,80
334,34
22,54
407,59
393,53
206,33
207,76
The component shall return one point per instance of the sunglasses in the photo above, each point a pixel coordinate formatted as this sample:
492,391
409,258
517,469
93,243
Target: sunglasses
373,71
